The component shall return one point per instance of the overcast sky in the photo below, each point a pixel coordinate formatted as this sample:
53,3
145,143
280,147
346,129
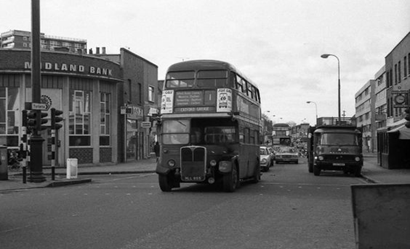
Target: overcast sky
277,44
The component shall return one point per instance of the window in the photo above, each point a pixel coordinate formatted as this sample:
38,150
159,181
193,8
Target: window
129,91
395,74
80,118
246,135
408,64
399,72
105,119
175,132
180,79
151,94
239,84
210,78
249,90
405,67
139,93
10,116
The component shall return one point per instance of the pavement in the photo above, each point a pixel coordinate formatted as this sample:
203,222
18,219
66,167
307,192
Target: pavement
371,172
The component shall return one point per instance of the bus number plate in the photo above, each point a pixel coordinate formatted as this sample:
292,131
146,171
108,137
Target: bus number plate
338,164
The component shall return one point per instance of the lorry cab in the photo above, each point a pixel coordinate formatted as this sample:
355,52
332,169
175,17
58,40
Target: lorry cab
334,147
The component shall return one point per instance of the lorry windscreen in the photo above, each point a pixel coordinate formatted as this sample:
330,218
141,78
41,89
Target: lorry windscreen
338,139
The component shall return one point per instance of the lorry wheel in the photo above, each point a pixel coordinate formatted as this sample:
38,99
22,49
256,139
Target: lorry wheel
165,183
316,170
357,171
230,181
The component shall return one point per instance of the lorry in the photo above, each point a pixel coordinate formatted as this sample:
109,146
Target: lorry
335,147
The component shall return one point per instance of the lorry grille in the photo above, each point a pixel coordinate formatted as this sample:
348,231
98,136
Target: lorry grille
344,158
193,163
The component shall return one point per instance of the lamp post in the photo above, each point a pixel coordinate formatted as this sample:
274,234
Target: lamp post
338,79
315,107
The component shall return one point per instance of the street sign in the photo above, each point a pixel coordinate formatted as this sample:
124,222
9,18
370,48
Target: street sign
38,106
145,124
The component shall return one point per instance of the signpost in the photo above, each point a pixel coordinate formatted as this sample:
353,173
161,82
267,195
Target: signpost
145,124
38,106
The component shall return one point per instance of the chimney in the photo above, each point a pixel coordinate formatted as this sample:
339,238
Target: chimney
103,50
91,51
97,51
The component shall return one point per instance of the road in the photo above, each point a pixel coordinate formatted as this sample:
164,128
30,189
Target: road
289,208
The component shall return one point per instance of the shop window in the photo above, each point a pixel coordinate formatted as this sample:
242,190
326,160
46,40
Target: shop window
105,119
10,116
80,117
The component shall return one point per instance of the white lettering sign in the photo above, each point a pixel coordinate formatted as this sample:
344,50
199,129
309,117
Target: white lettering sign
71,68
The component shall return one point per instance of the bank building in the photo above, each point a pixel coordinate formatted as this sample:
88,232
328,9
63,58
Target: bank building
107,100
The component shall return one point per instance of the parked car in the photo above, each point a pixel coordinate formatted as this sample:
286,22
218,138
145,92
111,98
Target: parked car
267,158
287,154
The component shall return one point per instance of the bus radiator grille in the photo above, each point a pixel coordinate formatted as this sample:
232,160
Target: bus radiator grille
193,163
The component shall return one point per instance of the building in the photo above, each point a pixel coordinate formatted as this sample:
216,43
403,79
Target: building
84,87
381,105
18,39
300,133
333,120
365,113
397,64
138,97
380,99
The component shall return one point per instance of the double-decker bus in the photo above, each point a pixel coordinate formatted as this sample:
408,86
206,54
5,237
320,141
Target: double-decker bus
209,126
281,134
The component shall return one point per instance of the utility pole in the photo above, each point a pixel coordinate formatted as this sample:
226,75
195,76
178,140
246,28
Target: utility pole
36,141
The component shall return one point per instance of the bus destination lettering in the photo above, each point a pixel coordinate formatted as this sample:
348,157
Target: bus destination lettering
189,98
195,109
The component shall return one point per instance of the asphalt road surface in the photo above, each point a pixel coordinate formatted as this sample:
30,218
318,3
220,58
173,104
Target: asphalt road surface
289,208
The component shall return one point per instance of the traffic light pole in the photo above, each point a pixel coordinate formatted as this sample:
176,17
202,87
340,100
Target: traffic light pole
36,141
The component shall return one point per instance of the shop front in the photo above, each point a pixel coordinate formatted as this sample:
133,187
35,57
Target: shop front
83,87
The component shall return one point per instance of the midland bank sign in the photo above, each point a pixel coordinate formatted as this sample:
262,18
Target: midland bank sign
73,68
63,63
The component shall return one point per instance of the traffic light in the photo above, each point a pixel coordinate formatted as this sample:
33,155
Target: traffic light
36,119
56,119
407,117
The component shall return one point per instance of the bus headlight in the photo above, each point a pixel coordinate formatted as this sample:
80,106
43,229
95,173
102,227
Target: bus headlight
171,163
212,163
320,158
357,159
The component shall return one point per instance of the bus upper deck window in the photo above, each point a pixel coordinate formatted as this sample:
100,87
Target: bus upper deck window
180,79
212,78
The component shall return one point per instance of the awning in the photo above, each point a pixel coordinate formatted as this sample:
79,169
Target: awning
403,130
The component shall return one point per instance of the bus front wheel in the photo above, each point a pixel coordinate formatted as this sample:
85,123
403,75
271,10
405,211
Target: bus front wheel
230,180
164,183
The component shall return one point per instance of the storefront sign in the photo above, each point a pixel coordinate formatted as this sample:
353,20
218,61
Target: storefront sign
71,68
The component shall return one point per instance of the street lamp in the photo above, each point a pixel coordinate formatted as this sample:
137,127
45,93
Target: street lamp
315,107
338,78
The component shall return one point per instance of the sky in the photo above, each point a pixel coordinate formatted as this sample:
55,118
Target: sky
275,43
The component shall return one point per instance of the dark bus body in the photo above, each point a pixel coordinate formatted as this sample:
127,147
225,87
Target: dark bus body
209,126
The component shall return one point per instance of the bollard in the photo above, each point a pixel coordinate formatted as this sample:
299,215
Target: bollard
24,174
4,170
